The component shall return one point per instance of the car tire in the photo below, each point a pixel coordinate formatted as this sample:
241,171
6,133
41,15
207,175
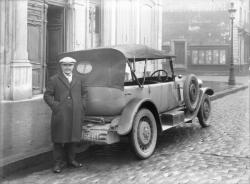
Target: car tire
204,111
191,92
143,136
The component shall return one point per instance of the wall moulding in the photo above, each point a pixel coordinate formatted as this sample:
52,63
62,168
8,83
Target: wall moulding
78,2
57,2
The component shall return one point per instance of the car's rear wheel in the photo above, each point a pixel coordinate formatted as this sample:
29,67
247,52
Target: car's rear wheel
191,92
204,111
143,136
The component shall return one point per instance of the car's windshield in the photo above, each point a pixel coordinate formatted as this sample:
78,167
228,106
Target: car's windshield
153,68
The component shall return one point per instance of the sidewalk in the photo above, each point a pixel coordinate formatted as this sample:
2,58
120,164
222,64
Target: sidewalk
238,79
218,83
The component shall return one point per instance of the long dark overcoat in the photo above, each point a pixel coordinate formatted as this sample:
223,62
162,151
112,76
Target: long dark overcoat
67,102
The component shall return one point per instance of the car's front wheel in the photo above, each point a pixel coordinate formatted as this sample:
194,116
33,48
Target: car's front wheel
143,136
204,111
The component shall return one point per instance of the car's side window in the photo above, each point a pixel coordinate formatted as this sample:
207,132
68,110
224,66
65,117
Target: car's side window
128,77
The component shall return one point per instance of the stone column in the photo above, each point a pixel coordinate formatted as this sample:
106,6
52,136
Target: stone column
21,69
80,26
159,22
105,26
137,20
109,24
76,18
2,46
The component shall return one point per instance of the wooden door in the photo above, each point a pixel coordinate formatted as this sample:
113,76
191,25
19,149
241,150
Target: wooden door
180,52
36,43
55,37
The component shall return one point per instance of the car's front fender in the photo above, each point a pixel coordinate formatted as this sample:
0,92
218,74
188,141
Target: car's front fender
204,90
208,91
128,114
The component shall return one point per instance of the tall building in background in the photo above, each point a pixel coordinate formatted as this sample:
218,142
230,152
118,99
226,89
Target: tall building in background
199,32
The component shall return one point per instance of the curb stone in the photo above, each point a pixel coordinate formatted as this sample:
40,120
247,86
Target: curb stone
223,93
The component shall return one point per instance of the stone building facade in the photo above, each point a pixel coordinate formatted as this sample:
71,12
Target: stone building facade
243,35
33,33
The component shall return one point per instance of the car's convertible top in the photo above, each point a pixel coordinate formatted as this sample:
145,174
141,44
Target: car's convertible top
141,52
108,63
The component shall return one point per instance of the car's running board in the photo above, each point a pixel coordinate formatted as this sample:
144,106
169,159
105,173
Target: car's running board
172,118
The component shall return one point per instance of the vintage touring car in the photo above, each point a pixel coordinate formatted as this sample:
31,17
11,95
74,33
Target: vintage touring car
142,106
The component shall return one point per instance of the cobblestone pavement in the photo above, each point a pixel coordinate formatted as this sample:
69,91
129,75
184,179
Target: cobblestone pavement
186,154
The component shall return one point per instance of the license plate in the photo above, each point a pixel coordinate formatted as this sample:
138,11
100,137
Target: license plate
91,136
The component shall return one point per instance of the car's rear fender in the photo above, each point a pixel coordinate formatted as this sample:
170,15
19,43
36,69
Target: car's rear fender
129,112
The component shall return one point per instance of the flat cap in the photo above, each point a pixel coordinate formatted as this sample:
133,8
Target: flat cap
67,60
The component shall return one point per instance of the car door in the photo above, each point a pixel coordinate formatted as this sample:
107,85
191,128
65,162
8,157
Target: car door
155,93
151,91
169,96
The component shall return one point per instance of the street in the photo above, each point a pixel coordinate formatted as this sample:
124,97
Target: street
185,154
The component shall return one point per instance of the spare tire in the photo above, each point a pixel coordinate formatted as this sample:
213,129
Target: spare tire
191,92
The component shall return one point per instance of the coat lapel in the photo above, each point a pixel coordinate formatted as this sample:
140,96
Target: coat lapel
64,80
73,80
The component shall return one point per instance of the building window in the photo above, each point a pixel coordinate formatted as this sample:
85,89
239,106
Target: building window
208,56
94,19
195,56
222,57
94,27
201,57
216,57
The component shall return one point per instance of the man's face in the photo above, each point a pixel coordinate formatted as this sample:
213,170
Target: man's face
67,68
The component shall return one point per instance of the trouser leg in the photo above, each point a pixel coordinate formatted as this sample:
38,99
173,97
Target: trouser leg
70,150
58,153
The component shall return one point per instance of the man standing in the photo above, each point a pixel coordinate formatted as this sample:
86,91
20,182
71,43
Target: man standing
65,94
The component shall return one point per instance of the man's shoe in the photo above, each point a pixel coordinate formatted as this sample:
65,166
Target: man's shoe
75,164
57,168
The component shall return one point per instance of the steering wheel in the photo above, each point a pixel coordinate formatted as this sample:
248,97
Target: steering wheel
159,76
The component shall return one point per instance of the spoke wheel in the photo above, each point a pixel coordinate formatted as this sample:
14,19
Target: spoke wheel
143,136
204,111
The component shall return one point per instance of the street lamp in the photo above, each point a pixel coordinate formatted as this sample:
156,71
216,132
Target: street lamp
231,80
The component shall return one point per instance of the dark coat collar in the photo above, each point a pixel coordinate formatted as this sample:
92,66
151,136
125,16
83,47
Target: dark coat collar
65,80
